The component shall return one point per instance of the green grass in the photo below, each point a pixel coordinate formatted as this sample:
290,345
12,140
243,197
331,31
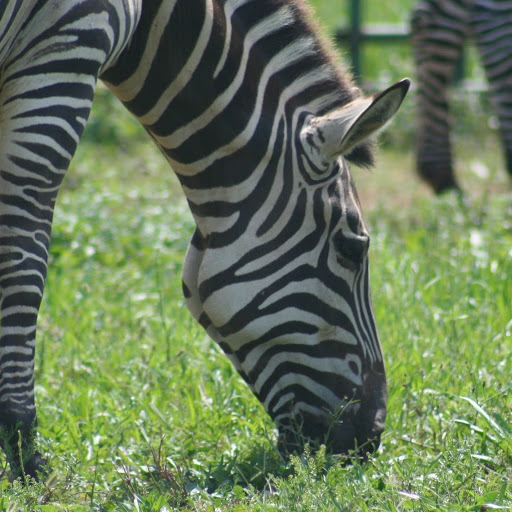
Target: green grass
140,411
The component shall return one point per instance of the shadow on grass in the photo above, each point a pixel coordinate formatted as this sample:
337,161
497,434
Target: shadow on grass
165,482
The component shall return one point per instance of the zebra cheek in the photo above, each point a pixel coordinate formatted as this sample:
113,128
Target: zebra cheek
191,265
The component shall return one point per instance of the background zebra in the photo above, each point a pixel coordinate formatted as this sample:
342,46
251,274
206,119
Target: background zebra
248,107
439,29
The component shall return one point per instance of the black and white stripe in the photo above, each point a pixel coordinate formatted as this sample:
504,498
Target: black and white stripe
254,117
439,30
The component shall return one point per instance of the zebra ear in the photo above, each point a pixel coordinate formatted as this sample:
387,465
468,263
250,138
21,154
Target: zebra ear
337,132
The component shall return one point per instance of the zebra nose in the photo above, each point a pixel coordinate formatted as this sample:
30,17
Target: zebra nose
355,440
346,438
350,248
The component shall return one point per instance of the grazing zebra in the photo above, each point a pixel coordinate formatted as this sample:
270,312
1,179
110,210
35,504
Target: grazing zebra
439,29
246,103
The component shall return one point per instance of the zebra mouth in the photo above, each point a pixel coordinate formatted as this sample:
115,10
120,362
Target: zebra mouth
351,436
355,432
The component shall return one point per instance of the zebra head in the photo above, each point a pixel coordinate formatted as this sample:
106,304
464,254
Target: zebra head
280,280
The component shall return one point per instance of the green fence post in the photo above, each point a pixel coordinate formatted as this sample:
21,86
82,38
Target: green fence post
355,38
355,33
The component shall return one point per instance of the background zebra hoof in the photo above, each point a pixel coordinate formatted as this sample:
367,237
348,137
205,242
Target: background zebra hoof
439,176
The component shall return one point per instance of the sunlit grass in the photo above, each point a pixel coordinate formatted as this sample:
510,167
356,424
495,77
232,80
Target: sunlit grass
139,410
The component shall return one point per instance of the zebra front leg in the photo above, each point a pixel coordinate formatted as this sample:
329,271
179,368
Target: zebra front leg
23,253
39,137
438,32
33,160
48,73
25,218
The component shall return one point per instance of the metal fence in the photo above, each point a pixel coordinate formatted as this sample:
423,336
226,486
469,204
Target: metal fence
356,34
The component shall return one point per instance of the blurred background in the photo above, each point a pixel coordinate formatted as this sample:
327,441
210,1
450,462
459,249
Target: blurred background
478,159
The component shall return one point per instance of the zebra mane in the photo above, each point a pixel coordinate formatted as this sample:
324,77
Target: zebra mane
342,82
280,37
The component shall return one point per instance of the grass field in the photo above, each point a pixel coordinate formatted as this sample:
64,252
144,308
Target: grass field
140,411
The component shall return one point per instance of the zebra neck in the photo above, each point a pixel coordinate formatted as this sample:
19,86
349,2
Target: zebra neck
12,17
214,79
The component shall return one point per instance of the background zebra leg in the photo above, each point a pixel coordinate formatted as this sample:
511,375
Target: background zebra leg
40,132
491,24
501,97
437,39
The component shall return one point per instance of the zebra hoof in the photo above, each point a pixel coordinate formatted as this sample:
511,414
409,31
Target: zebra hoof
33,469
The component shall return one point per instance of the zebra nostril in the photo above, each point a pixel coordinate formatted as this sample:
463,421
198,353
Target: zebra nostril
352,248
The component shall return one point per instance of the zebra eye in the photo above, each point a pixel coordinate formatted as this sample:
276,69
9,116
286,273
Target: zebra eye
351,248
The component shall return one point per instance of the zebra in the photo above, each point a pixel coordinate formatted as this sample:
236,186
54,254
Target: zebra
439,29
247,103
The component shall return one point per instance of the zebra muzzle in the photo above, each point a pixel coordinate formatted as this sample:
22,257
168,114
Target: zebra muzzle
353,431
